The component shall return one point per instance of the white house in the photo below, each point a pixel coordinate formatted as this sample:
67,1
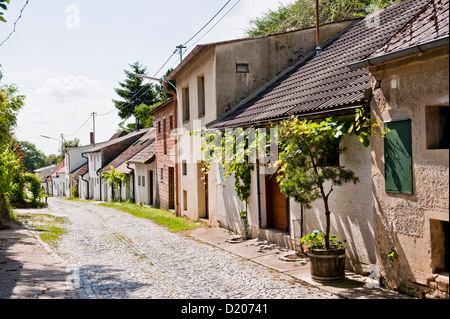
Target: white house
101,155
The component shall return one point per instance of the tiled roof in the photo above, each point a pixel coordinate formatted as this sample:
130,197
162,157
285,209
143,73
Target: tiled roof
80,171
431,24
117,140
119,163
117,135
60,169
146,154
325,83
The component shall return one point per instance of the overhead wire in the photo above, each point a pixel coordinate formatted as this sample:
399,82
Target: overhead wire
171,56
15,24
135,96
81,127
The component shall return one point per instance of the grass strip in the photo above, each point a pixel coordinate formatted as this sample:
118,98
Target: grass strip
159,216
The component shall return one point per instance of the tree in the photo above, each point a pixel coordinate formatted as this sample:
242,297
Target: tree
10,104
134,92
3,7
301,14
307,174
32,157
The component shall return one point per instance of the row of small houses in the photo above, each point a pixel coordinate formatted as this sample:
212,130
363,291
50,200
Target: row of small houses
393,63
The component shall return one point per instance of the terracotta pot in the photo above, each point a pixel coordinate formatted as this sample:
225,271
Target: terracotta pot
327,265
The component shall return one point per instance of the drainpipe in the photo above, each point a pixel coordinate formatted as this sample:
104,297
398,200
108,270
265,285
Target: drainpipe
134,179
258,185
82,176
100,183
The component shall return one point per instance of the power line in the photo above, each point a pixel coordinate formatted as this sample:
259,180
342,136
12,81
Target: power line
15,23
81,127
207,23
195,35
216,23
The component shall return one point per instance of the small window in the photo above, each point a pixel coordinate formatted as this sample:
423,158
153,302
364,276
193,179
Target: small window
186,108
184,167
143,181
139,180
242,68
162,174
201,95
135,143
437,127
171,122
159,126
185,200
165,136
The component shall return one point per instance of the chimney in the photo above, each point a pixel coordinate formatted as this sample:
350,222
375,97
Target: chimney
92,138
318,48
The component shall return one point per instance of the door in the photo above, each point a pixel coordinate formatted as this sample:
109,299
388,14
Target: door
171,188
276,204
150,188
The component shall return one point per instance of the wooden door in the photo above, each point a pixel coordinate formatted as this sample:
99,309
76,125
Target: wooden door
276,202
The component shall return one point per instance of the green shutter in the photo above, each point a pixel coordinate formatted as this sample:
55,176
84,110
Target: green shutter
398,157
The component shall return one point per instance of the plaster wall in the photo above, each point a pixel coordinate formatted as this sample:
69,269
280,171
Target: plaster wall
266,57
142,191
406,223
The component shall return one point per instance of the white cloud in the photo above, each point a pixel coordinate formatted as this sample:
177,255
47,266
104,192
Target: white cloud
67,88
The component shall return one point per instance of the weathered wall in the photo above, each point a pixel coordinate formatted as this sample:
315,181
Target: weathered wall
266,57
402,222
165,161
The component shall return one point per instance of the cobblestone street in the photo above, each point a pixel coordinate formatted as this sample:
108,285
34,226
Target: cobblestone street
115,255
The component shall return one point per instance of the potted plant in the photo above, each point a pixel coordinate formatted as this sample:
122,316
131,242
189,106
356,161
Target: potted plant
309,161
327,265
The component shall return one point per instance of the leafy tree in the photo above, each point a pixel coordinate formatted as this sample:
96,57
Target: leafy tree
306,149
134,92
32,157
10,164
10,104
301,14
51,160
3,7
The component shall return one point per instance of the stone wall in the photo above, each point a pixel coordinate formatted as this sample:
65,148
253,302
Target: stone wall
406,223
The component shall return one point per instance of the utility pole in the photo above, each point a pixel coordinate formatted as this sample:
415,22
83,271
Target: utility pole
93,127
180,49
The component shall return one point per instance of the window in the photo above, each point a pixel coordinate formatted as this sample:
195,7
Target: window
201,95
184,200
436,127
186,109
139,180
398,157
165,136
242,68
184,167
171,122
162,174
159,126
143,181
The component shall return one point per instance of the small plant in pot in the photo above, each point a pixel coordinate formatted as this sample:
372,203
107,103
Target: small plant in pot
309,161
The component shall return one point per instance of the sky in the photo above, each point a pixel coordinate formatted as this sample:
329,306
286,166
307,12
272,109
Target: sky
67,57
